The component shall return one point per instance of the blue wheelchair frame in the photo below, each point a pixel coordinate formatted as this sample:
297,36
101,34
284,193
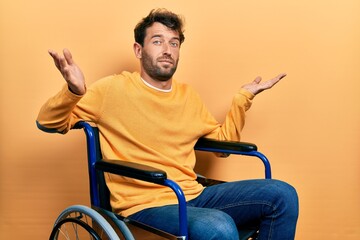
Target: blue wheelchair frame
97,166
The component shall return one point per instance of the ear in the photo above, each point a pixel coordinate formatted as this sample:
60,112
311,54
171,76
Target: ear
137,50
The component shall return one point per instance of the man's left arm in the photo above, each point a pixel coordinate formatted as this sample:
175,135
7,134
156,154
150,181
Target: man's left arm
235,118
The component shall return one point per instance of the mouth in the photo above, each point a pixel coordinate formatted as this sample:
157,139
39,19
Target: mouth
166,60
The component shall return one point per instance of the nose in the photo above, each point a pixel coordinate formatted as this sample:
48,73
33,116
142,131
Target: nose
166,49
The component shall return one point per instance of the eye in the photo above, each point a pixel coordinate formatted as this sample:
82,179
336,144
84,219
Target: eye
174,44
157,42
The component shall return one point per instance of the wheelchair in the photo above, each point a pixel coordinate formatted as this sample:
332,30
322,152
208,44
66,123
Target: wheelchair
99,222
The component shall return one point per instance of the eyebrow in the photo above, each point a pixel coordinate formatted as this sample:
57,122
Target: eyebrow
161,36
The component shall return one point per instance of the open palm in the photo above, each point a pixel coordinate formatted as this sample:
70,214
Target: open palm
257,86
70,71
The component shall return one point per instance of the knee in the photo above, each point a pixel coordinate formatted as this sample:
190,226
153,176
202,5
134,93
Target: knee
213,226
285,199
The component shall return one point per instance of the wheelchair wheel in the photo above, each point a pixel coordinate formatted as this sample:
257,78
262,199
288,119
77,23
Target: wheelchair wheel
81,222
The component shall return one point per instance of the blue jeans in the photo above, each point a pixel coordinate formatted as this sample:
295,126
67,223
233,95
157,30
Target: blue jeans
221,211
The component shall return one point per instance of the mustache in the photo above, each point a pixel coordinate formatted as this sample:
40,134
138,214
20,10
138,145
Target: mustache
166,58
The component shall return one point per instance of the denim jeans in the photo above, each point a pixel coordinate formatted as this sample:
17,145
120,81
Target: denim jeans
221,211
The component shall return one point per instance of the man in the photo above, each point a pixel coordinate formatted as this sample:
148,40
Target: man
152,119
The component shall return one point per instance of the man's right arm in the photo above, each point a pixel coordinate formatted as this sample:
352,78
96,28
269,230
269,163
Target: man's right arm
56,114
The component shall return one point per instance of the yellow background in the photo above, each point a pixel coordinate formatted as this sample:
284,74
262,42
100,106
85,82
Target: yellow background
308,125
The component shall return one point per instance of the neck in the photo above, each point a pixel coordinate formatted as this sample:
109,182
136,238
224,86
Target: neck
164,85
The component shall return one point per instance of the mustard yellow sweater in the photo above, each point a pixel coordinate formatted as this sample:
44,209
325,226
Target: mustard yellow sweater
140,124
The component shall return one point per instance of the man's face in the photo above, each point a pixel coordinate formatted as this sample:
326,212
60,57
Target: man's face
160,53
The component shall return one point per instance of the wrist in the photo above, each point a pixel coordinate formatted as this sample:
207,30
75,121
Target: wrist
76,91
247,93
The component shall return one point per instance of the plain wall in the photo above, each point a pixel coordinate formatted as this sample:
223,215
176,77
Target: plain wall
308,125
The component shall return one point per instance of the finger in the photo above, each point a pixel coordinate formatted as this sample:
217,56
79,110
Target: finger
281,76
63,64
277,78
55,57
68,56
51,52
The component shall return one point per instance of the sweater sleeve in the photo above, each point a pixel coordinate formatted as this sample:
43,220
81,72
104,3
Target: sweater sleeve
55,115
235,118
60,113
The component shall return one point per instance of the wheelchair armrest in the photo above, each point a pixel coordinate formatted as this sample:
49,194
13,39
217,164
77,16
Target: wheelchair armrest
212,145
132,170
230,147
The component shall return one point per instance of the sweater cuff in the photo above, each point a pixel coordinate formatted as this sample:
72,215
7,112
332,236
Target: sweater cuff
246,93
66,91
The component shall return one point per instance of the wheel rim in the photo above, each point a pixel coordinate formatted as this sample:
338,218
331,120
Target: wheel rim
79,226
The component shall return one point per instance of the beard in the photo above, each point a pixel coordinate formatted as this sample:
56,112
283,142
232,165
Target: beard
156,72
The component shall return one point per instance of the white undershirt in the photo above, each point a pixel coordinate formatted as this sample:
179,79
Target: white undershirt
158,89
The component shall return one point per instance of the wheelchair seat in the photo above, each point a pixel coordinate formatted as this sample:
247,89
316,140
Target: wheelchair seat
99,222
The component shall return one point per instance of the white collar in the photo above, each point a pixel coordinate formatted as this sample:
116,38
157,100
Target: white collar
158,89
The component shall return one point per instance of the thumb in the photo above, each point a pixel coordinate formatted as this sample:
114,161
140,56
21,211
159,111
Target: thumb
257,80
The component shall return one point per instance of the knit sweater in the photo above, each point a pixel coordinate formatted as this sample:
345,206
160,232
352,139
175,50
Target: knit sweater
143,125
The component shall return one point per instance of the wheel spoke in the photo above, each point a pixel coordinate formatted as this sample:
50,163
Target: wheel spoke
82,223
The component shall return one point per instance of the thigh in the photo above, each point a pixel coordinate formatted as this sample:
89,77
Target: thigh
203,223
247,202
220,209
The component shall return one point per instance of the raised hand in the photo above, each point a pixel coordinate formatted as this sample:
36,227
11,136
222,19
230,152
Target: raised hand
70,71
257,86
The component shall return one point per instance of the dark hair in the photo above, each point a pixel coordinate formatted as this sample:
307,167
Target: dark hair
163,16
